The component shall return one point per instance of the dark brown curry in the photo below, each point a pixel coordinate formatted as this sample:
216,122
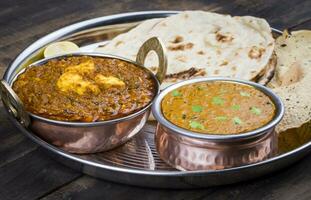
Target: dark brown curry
85,89
218,107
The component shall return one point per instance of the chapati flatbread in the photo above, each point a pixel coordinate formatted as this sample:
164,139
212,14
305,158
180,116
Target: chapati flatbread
202,44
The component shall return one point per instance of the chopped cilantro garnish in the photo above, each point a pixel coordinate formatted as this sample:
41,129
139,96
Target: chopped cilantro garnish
235,107
255,110
218,101
245,94
221,118
175,93
199,88
196,124
197,108
237,121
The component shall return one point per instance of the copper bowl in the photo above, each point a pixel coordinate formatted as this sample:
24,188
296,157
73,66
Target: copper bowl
81,137
187,150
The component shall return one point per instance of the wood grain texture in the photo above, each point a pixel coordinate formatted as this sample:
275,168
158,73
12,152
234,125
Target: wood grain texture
32,176
88,188
26,172
13,144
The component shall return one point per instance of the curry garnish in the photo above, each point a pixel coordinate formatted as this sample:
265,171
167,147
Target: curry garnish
175,93
237,121
255,110
217,100
196,125
197,108
235,107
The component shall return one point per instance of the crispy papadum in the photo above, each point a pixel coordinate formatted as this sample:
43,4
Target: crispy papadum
292,82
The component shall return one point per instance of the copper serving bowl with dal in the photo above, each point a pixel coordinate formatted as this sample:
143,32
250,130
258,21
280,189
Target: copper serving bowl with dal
216,123
86,102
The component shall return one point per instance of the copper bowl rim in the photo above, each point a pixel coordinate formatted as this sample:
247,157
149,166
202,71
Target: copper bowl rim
97,123
157,111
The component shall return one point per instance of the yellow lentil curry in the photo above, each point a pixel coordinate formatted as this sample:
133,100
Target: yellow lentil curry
218,107
84,89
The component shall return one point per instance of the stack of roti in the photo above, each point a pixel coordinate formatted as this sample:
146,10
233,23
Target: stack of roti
201,44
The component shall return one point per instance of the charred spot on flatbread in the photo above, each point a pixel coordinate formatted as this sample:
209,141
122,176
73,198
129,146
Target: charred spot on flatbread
192,72
180,47
224,63
256,52
201,52
177,39
186,16
216,72
118,43
223,37
181,58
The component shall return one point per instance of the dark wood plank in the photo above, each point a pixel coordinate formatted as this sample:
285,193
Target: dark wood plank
13,144
280,14
32,176
90,188
304,25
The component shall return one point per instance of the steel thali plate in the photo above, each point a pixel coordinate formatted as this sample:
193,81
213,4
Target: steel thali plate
136,162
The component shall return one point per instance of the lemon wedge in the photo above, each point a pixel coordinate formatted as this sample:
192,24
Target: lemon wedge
59,48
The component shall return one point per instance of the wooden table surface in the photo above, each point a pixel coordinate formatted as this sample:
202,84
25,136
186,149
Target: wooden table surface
26,172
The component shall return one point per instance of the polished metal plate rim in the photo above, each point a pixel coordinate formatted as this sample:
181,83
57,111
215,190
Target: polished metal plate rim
161,178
